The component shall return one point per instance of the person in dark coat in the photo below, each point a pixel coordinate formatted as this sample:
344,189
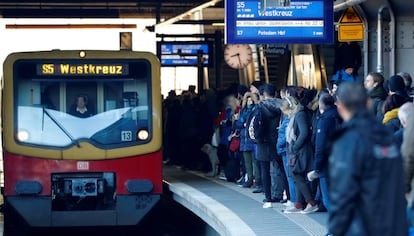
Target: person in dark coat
231,107
327,123
396,85
390,109
173,111
366,189
407,81
348,60
188,133
250,100
266,150
300,156
374,84
348,57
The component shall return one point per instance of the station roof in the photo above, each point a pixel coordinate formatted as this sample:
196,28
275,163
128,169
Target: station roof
158,9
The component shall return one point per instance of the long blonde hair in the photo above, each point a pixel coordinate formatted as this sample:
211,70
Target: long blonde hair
231,101
290,103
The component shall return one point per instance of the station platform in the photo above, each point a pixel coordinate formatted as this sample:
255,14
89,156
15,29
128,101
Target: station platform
235,211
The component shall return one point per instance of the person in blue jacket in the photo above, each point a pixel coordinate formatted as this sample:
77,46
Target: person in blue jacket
246,144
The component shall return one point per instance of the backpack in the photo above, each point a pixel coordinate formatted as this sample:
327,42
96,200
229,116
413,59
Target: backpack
256,127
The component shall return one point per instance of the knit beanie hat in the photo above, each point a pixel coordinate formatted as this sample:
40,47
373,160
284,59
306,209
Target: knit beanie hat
257,84
396,83
270,89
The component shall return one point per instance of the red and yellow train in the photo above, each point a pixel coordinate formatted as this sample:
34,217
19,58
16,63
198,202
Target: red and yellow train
60,169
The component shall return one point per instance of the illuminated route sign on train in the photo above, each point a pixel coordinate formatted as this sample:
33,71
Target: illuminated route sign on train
82,69
267,21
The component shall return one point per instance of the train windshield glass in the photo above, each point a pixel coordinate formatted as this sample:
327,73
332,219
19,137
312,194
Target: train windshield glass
60,103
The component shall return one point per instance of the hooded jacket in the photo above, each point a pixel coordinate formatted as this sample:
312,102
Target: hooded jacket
366,187
377,95
327,123
270,109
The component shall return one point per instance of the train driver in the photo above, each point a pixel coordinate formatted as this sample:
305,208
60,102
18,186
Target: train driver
80,108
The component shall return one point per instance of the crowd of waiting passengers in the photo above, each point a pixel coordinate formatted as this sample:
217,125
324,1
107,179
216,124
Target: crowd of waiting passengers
289,163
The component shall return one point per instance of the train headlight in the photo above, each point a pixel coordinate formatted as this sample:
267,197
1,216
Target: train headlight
142,134
22,135
82,54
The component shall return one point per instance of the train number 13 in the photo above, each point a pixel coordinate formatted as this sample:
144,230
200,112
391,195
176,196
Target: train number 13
126,136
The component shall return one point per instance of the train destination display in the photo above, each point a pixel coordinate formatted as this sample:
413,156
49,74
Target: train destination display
266,21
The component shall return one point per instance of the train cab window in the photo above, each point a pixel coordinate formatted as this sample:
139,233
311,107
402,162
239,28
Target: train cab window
130,99
81,107
47,92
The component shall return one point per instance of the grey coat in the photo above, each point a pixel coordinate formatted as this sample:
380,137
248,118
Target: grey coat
301,147
407,151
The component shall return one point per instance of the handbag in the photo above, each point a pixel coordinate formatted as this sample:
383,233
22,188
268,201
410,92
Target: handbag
234,144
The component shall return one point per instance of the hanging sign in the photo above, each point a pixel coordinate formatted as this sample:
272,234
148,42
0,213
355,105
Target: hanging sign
351,26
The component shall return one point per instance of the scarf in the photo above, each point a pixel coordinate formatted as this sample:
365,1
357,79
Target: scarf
389,115
290,131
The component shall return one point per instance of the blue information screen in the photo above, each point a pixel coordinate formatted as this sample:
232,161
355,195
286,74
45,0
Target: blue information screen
270,21
183,53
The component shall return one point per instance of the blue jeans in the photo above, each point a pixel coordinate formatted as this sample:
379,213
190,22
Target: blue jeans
291,184
324,190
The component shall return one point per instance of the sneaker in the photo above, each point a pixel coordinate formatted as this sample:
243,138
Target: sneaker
288,204
292,209
223,177
241,183
267,205
240,180
309,209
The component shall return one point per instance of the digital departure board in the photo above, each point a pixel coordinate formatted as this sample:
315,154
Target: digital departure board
279,21
184,53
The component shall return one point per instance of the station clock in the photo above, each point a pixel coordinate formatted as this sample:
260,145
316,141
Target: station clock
238,56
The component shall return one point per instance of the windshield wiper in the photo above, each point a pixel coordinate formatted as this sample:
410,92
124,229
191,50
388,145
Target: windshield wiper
60,127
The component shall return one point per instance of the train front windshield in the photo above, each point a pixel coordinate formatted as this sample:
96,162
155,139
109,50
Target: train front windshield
59,103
